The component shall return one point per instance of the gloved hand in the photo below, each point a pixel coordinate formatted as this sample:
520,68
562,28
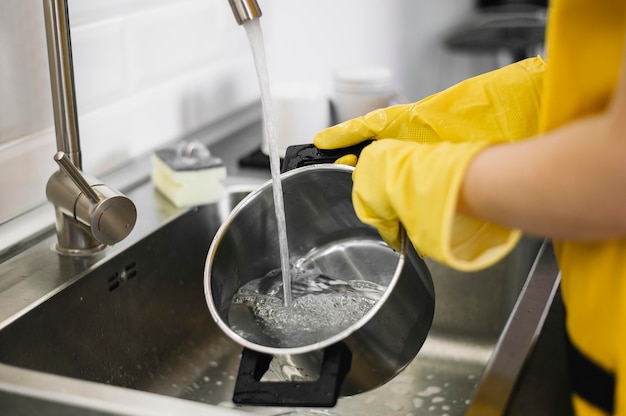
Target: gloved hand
501,105
417,184
414,177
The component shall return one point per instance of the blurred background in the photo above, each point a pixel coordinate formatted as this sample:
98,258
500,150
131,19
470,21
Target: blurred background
148,72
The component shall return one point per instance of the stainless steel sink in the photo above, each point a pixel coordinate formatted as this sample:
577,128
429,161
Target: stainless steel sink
128,331
109,330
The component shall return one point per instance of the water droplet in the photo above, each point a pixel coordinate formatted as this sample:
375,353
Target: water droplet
418,402
429,391
394,406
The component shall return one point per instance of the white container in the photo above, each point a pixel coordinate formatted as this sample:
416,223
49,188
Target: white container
300,111
357,91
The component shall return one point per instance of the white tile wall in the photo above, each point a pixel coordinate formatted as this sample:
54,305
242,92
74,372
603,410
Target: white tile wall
26,166
102,72
24,82
166,42
157,115
92,11
146,72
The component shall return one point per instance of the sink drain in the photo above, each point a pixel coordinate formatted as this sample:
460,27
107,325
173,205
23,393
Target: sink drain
123,275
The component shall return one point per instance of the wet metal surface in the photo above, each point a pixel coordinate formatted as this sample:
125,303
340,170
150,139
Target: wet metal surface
136,318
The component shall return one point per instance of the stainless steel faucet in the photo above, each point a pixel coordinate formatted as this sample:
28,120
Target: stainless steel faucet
245,10
89,214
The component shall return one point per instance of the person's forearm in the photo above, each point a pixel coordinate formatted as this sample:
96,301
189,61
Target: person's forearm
568,184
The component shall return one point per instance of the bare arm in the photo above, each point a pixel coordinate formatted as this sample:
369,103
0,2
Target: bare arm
567,184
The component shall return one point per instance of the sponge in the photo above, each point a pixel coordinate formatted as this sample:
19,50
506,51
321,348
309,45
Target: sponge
188,175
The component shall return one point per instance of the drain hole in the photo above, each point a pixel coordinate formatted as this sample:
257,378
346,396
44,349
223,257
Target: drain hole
130,270
131,274
114,281
127,273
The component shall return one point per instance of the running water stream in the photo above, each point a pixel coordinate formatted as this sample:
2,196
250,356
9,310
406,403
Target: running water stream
257,45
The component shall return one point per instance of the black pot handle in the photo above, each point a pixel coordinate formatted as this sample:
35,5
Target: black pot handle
300,155
323,392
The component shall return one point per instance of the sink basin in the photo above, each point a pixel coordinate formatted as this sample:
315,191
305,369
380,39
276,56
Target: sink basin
137,319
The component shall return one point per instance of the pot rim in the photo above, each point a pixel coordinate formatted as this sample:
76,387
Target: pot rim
304,348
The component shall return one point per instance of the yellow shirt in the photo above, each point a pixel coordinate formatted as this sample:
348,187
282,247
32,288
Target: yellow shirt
584,53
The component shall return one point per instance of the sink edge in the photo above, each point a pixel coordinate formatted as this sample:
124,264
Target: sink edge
522,329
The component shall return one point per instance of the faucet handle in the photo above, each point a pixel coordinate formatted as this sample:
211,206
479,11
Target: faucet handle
76,176
108,215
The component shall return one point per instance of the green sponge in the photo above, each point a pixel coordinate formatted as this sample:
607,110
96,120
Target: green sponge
188,175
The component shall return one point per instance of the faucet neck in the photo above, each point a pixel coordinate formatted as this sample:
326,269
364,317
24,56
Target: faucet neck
62,79
72,238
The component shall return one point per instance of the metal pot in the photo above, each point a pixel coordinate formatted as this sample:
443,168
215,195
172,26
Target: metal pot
321,223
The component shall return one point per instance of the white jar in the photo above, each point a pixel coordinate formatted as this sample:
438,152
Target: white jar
357,91
301,109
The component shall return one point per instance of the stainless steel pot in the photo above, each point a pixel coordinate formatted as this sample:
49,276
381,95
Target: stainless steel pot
322,224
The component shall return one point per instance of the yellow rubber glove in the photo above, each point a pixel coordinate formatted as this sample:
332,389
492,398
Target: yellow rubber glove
500,105
417,184
414,177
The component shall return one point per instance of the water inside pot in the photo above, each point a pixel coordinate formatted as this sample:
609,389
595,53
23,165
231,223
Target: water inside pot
332,289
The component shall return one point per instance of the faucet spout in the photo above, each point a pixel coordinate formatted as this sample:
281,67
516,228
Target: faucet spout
245,10
89,214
